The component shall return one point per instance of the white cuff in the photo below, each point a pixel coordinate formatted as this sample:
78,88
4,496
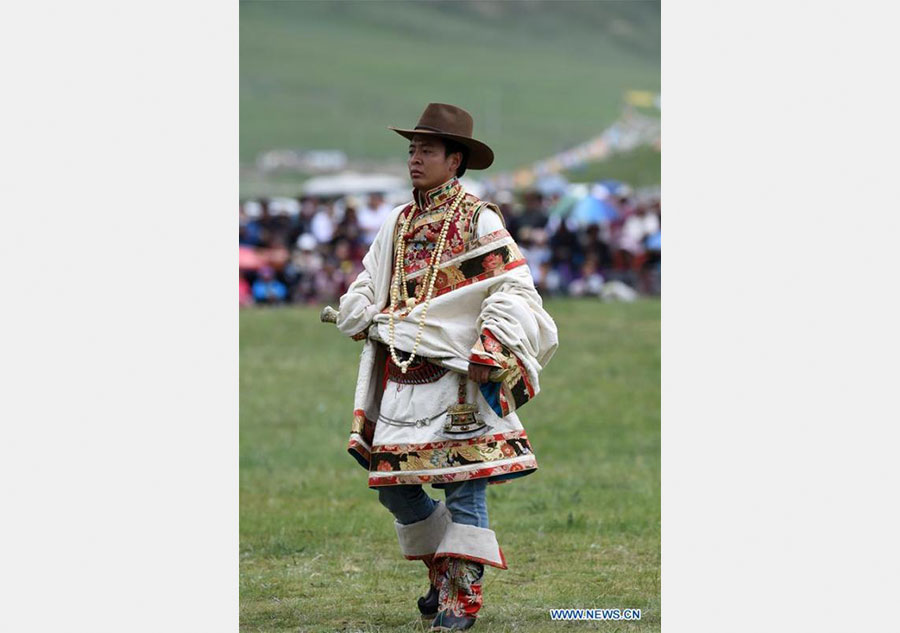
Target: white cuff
472,543
421,539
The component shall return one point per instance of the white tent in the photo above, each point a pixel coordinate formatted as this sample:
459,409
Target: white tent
350,183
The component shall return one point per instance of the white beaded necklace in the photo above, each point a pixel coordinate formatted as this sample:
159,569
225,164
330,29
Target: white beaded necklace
428,282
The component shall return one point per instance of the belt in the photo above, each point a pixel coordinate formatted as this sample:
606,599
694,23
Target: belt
421,372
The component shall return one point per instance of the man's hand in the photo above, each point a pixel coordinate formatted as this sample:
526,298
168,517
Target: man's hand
479,373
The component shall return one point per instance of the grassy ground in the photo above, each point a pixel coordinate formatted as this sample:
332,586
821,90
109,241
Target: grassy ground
318,552
538,76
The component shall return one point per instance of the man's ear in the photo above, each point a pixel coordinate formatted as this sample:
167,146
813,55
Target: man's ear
455,160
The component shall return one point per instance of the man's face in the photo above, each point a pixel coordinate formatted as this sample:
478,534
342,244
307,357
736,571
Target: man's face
428,166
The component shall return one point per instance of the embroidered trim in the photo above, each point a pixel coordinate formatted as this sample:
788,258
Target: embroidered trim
357,448
453,278
526,466
407,468
486,239
454,460
515,390
442,193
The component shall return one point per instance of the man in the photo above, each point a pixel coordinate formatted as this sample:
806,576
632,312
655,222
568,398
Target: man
456,337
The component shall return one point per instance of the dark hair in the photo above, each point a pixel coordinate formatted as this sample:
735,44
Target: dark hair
450,147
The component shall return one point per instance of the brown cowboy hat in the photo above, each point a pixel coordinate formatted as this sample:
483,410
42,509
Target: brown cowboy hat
450,121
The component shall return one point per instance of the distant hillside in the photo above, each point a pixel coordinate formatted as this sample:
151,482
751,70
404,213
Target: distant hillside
537,76
639,167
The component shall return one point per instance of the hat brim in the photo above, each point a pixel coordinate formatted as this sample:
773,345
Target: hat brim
480,155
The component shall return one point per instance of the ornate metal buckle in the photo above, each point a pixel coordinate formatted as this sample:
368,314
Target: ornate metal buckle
463,418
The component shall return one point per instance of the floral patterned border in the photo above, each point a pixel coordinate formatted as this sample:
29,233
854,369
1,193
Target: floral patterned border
516,389
487,265
501,450
525,466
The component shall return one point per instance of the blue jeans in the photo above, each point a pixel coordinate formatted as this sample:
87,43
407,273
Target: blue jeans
466,501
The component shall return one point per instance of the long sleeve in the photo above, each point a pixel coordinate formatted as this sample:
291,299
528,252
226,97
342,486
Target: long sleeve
516,333
359,305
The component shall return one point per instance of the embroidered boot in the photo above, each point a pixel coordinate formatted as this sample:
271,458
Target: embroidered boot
419,541
460,596
428,604
466,549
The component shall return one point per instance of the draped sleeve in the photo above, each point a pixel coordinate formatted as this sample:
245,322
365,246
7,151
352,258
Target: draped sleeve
516,335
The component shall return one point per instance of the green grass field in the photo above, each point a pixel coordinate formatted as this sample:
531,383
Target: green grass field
319,553
538,76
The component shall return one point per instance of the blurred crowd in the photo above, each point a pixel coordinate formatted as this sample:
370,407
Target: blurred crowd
309,249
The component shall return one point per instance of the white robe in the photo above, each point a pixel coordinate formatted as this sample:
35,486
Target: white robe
505,303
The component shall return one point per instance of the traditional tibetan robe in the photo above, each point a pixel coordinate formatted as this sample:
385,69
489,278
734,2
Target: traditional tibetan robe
484,309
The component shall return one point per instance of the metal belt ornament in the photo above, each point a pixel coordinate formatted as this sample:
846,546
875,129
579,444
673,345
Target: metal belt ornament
461,417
